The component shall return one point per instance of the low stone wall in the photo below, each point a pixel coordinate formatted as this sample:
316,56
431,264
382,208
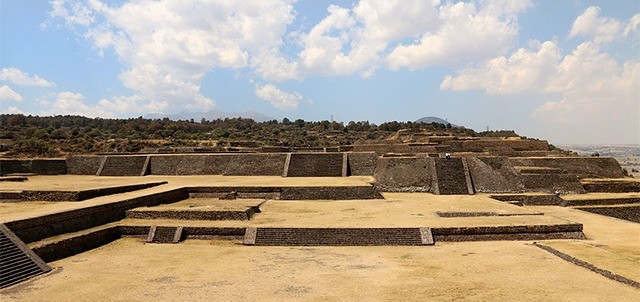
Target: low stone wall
494,175
330,193
35,166
192,215
531,200
241,192
613,186
84,164
552,183
55,196
187,232
383,148
362,163
315,164
629,213
337,236
517,145
405,174
522,232
602,201
37,228
583,167
60,249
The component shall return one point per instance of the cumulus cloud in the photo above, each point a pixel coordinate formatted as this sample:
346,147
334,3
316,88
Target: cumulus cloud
590,24
8,94
524,71
74,103
467,32
278,98
586,89
18,77
169,46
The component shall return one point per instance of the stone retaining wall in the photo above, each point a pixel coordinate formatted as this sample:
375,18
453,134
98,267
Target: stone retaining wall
124,165
35,166
583,167
315,164
494,175
362,163
552,183
56,196
268,164
405,174
60,249
37,228
84,164
524,232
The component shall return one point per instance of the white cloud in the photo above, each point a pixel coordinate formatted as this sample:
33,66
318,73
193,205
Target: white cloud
278,98
73,12
523,71
590,24
16,76
171,45
468,32
8,94
587,90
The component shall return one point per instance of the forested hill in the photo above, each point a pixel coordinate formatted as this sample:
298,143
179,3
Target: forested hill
53,136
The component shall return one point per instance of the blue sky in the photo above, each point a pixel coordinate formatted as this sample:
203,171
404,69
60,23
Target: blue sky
566,71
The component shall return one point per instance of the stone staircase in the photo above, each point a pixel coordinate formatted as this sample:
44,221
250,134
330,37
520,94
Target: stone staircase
452,177
17,262
159,234
338,236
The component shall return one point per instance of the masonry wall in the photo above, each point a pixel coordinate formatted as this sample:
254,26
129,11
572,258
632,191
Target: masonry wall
196,164
36,166
551,183
494,174
405,174
84,164
315,164
583,167
124,165
268,164
383,148
362,163
37,228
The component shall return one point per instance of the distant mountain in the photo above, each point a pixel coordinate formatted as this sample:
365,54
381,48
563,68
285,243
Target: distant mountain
210,115
431,119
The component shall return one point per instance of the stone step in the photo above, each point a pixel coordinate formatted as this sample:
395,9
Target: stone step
18,262
451,176
160,234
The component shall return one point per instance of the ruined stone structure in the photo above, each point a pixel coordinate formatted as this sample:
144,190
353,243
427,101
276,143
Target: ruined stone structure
518,172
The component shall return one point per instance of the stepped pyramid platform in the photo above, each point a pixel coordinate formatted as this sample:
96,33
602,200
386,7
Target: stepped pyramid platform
404,223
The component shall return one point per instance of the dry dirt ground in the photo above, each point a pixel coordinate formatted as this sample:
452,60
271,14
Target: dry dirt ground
216,270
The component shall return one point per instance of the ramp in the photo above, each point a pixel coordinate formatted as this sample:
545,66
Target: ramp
338,236
158,234
17,262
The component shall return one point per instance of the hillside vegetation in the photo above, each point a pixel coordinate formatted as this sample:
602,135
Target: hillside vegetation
55,136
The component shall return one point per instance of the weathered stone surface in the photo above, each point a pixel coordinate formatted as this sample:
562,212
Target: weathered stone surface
494,175
405,174
583,167
315,164
124,165
362,163
84,164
